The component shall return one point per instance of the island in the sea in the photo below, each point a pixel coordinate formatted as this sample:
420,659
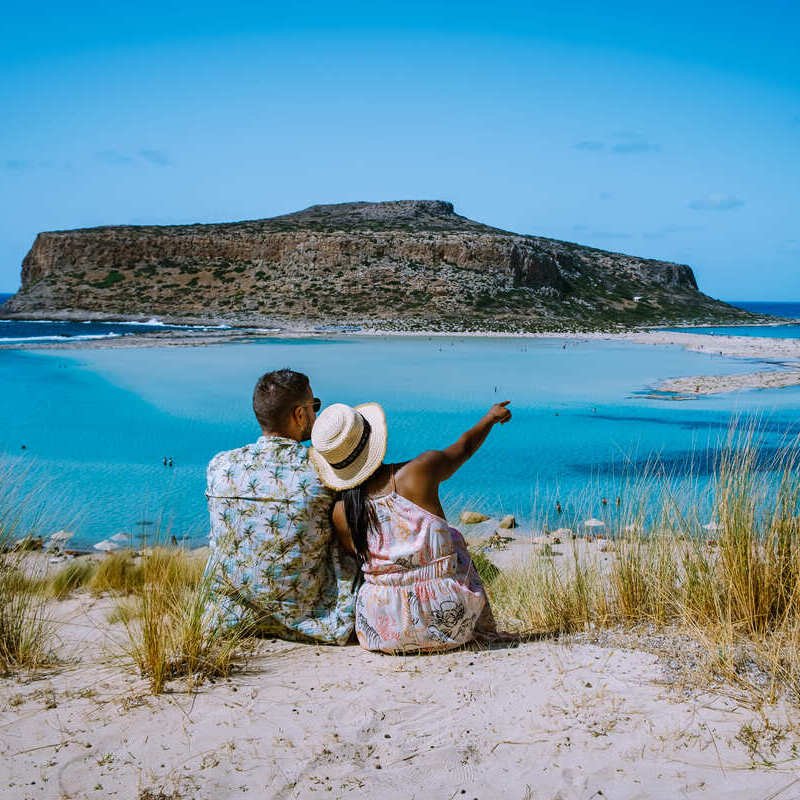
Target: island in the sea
408,265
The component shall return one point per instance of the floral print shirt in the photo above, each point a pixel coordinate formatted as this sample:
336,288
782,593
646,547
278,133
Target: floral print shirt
274,561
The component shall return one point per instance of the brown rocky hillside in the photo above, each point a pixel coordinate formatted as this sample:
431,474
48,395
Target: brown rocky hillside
404,265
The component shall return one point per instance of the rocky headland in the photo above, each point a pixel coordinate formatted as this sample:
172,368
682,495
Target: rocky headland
397,266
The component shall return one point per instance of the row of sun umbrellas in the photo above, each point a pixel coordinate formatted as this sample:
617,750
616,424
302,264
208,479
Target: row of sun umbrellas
58,540
598,523
593,522
114,542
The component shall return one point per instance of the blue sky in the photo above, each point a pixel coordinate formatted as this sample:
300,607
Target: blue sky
664,130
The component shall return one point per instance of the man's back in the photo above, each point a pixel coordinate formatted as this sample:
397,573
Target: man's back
273,559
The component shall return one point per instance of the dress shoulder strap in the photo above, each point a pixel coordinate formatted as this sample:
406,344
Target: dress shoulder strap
391,474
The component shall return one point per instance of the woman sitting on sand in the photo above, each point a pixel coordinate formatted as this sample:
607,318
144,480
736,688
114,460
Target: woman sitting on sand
421,591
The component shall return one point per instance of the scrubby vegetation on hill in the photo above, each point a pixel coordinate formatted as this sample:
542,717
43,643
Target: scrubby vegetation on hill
406,265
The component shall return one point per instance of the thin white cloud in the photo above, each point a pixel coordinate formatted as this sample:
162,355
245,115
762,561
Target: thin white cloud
623,143
670,230
113,157
117,158
717,202
635,146
156,157
609,235
589,145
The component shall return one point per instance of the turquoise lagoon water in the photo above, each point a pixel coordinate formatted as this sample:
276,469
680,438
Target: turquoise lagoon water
96,424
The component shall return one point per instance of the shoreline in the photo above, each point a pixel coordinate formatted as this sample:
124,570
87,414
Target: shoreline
783,355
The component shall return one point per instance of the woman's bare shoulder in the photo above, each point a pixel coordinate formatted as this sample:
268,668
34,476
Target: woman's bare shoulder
418,475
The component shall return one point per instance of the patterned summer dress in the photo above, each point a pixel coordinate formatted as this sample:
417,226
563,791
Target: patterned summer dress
274,562
421,590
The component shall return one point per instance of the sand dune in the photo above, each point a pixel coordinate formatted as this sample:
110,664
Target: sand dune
539,720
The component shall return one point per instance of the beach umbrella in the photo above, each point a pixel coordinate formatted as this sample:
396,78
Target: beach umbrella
564,533
632,528
120,537
57,541
106,546
712,526
594,523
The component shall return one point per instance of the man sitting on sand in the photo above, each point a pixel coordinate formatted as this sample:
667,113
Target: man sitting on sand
275,566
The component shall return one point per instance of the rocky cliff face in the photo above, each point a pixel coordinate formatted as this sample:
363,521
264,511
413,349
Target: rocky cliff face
410,265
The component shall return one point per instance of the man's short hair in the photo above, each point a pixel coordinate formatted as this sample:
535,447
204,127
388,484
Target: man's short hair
276,395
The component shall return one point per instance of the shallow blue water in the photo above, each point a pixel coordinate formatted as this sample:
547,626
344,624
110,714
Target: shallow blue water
96,424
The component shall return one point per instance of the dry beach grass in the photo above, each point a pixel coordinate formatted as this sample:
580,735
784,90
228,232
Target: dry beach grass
667,664
735,590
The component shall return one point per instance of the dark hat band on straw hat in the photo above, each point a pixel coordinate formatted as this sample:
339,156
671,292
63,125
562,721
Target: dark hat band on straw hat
359,448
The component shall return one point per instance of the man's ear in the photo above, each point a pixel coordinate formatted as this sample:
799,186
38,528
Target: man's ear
297,416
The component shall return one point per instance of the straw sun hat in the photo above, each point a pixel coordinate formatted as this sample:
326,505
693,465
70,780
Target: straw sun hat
349,444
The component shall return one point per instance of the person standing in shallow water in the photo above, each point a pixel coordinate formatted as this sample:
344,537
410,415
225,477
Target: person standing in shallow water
275,565
421,591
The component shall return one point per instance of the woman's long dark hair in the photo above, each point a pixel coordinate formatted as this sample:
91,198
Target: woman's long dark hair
361,519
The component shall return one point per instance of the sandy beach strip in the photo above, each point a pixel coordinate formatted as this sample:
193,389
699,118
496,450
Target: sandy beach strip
720,384
783,355
757,347
539,720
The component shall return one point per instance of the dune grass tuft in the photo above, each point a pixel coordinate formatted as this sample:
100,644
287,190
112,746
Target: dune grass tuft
72,576
26,630
25,627
540,596
117,573
485,568
168,637
736,593
125,611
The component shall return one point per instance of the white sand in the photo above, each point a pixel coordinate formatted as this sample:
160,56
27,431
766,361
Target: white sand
720,384
784,354
541,720
738,346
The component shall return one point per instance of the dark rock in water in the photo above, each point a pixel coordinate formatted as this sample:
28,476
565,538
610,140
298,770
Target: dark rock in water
402,265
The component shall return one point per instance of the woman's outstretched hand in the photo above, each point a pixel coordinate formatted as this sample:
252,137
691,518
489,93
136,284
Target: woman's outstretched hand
435,466
499,413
